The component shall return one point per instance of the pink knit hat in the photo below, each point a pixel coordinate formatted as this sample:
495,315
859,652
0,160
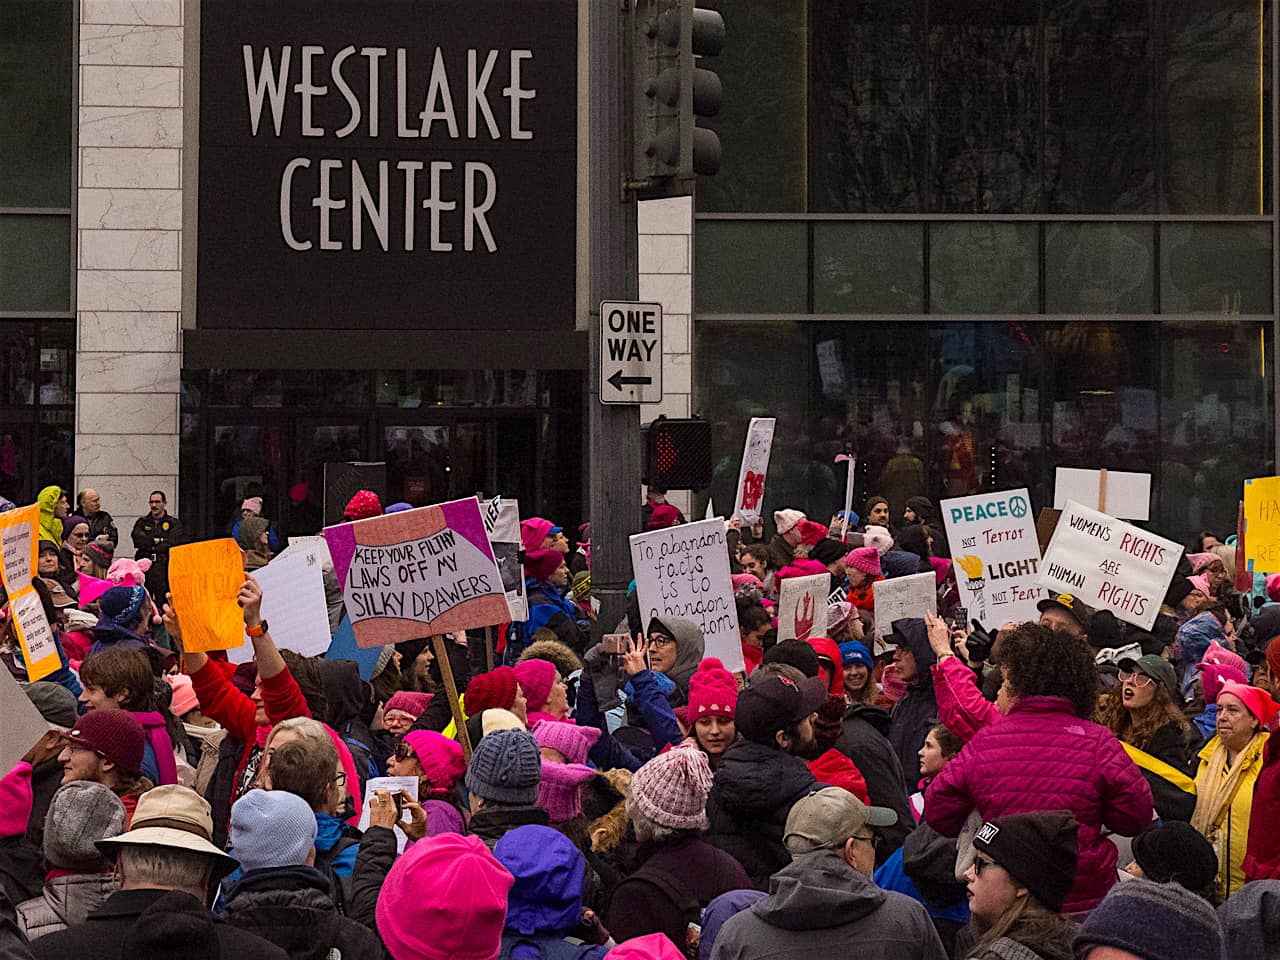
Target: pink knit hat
560,789
1201,560
865,559
533,532
1201,583
740,580
1219,654
15,800
652,946
800,568
408,702
811,532
1214,675
713,692
878,537
184,694
573,742
941,567
536,677
1257,701
672,789
1272,581
440,758
444,899
254,504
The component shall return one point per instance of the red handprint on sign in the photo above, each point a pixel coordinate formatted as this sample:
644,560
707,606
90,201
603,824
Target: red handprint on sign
752,490
804,618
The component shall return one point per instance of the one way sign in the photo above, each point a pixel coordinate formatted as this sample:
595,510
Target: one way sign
630,352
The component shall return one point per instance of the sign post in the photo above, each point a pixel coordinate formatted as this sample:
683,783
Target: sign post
630,352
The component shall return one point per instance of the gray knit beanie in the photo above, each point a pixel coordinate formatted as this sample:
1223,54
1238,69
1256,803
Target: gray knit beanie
272,828
80,814
506,767
1155,921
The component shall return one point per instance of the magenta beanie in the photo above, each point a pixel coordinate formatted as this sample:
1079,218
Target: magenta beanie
408,701
15,800
573,742
1214,675
536,677
440,758
444,899
533,532
560,789
866,559
652,946
541,564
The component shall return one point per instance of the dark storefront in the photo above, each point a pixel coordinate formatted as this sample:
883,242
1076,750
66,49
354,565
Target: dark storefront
974,241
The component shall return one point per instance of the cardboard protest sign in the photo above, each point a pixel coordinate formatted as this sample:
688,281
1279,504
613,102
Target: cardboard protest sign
502,524
1109,564
755,464
19,545
22,726
851,472
204,579
1113,492
802,607
899,598
996,554
343,647
1262,524
392,785
418,572
683,571
293,602
39,648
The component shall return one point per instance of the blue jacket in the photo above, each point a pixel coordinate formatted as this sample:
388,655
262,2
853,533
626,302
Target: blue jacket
608,753
328,833
890,876
549,872
1207,722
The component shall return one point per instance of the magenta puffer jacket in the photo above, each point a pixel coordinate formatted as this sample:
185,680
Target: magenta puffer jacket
1041,756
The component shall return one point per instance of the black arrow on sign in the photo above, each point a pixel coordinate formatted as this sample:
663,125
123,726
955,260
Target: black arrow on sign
618,380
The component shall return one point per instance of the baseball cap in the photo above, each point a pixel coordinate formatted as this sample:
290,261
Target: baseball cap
1157,668
57,595
774,704
828,818
172,816
1082,612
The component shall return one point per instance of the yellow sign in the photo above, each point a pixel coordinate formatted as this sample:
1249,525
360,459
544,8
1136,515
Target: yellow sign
1262,524
204,580
19,541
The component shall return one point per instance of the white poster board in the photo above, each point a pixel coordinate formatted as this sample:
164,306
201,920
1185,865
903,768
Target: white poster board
392,785
502,524
1109,564
684,572
293,601
755,465
902,597
802,607
22,726
996,555
1128,494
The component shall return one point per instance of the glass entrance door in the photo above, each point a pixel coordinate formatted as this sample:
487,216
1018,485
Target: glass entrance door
433,462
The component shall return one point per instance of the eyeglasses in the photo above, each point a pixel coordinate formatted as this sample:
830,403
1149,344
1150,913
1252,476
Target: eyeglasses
980,864
658,639
340,780
1137,679
404,752
870,839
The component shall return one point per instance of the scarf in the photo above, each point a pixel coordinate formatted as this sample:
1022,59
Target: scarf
1214,795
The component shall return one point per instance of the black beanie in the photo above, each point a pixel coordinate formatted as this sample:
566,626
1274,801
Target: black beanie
795,652
1179,587
1037,849
1176,852
828,551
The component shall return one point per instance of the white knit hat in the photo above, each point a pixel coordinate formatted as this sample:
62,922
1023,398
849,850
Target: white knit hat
878,537
784,520
672,788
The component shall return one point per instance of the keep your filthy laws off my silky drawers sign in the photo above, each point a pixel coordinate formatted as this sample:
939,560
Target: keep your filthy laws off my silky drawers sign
397,164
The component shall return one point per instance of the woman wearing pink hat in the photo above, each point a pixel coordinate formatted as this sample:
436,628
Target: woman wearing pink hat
1229,768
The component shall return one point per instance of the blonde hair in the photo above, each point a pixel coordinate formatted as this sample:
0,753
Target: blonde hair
1228,557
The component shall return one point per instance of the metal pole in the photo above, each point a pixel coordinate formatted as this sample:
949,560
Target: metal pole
614,430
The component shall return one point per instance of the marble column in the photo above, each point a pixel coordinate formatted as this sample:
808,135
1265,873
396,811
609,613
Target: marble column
129,252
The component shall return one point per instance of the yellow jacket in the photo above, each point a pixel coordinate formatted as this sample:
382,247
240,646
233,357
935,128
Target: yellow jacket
1232,835
50,526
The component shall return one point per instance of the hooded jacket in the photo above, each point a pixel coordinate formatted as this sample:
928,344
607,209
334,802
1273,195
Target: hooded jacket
819,906
754,790
50,526
916,712
550,607
1249,928
292,908
690,648
65,900
1041,756
350,708
864,740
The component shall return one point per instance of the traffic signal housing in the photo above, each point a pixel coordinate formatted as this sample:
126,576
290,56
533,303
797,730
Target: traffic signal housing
678,454
671,92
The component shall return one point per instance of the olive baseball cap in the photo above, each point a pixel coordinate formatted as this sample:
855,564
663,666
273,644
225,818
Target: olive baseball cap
826,819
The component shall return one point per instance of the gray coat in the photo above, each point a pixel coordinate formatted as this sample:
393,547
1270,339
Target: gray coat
819,906
64,901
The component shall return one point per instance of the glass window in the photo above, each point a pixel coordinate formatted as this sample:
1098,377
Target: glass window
57,372
984,267
36,70
867,116
247,459
246,388
1215,268
35,263
55,449
418,464
751,267
868,267
17,363
762,120
1099,268
327,388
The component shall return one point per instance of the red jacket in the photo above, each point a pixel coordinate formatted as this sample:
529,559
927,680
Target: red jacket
1262,855
1041,756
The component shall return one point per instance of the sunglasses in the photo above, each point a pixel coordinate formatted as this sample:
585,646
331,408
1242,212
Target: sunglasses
1137,679
404,752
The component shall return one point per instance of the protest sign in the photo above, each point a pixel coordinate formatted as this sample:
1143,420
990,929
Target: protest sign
1109,564
19,545
418,572
1262,524
392,785
502,524
996,554
684,572
39,649
22,726
1113,492
802,607
293,602
755,464
343,647
851,472
1244,576
204,580
899,598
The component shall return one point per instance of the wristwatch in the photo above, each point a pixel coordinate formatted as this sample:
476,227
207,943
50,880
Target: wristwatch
257,631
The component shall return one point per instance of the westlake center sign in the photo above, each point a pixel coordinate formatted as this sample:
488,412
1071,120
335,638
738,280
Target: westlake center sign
396,164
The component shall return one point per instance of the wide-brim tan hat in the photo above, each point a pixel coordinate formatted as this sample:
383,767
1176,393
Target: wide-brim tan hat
175,839
175,817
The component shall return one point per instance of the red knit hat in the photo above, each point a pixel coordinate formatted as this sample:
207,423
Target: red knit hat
541,564
497,688
713,691
363,505
114,735
536,677
836,770
811,532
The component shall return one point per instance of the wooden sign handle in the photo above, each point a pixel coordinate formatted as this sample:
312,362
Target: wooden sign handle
1102,490
451,688
488,648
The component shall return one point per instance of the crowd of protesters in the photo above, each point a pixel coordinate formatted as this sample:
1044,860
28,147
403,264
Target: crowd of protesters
1066,787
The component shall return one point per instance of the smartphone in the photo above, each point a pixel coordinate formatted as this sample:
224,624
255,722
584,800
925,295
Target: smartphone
614,643
960,621
398,799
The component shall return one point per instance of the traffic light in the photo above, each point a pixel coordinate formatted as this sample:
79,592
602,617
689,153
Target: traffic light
677,454
671,92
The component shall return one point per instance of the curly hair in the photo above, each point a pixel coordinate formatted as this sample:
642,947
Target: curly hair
1039,662
1137,727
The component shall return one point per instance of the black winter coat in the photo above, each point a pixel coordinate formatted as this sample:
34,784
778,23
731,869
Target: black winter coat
373,863
753,792
21,873
864,741
292,908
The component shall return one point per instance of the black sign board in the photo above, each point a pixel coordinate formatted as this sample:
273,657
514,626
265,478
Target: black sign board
343,480
396,164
